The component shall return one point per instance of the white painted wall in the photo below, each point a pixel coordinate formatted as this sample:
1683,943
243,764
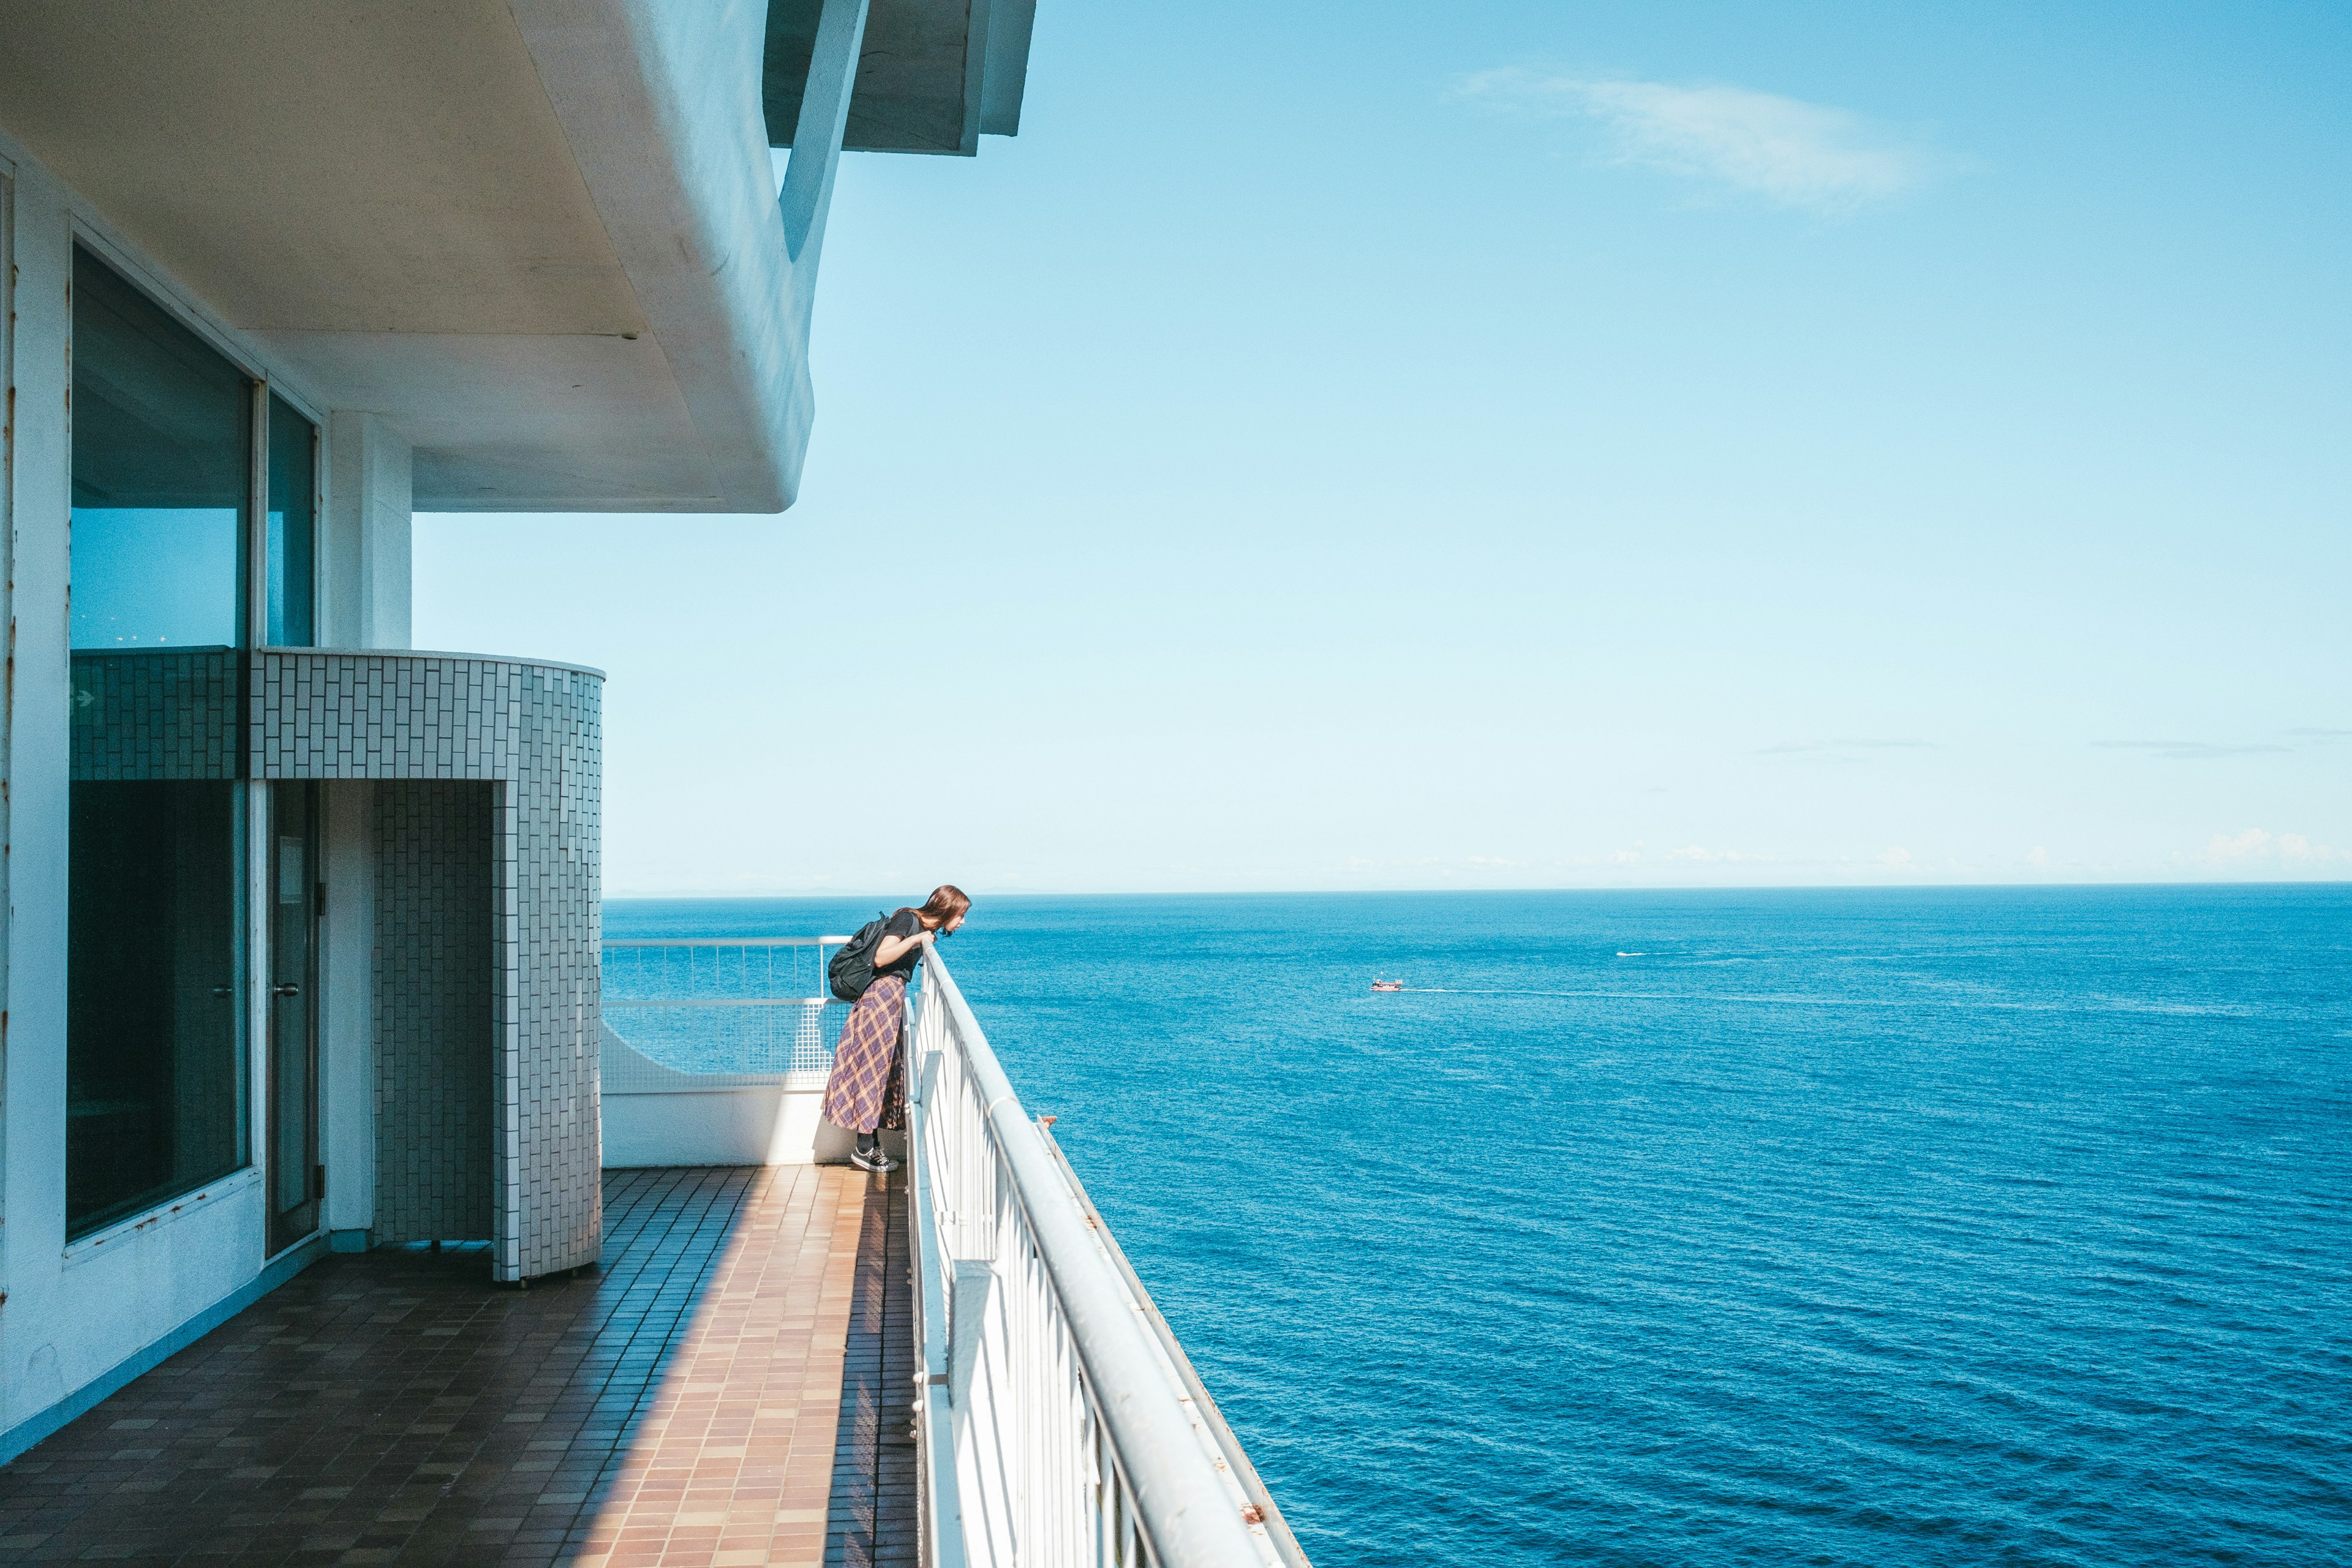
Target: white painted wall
8,628
364,548
771,1126
656,1115
347,1012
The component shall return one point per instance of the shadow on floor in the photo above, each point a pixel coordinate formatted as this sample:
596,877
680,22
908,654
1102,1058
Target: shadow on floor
397,1407
872,1519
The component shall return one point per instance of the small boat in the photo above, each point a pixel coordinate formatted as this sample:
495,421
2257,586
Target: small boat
1387,984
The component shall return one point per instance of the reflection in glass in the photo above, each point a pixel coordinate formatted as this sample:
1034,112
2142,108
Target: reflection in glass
161,460
156,1073
293,453
155,1095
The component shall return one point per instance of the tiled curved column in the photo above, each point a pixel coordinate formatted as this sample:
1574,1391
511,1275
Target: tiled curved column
532,732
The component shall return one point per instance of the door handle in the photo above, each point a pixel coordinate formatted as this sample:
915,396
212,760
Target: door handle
224,990
285,988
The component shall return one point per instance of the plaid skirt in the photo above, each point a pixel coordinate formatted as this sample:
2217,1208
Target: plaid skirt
867,1087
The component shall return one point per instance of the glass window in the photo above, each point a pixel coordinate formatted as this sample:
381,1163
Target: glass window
155,1082
293,456
162,459
156,1076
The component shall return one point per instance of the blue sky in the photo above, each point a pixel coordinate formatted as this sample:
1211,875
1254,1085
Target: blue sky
1530,446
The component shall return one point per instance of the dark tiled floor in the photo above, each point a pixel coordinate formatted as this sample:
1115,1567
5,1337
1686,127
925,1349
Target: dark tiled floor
678,1406
874,1504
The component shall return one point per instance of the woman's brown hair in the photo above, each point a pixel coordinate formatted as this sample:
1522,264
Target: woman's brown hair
945,903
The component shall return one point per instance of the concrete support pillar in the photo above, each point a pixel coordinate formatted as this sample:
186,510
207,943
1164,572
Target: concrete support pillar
365,581
807,195
366,554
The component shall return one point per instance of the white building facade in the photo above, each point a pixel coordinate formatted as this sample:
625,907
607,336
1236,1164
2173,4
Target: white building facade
301,940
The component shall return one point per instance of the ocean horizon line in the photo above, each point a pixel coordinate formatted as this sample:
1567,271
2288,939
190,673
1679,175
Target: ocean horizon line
982,891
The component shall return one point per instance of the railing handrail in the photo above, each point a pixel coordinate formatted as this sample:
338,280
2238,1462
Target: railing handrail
1182,1499
1204,1403
726,942
609,1003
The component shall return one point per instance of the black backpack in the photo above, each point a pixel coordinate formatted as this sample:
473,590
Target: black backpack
851,970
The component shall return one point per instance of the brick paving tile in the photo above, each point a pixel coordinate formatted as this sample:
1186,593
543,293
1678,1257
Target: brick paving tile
709,1395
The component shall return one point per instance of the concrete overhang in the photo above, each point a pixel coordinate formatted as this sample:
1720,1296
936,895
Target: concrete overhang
934,76
540,237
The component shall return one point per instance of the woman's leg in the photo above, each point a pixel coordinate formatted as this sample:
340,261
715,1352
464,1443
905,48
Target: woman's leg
864,1064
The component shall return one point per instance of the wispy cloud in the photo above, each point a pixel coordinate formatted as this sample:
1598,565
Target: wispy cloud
1844,750
2189,751
2257,845
1796,154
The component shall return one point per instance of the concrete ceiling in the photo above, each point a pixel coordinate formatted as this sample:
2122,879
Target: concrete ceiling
323,168
539,235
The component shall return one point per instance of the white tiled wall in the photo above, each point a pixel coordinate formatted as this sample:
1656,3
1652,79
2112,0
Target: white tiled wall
531,734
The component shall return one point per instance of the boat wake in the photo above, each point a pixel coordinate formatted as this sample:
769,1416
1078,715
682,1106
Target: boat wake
1482,991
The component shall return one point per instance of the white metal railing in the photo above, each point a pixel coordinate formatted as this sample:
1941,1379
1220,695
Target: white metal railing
1060,1422
744,1008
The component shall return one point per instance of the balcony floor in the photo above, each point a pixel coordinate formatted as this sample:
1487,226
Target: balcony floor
713,1395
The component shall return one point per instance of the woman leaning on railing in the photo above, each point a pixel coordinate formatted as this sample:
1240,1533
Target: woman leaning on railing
866,1090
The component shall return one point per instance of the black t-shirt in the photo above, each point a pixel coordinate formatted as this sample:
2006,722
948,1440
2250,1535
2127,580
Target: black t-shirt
906,923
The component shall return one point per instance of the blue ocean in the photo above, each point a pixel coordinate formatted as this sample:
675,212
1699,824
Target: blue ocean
1856,1227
